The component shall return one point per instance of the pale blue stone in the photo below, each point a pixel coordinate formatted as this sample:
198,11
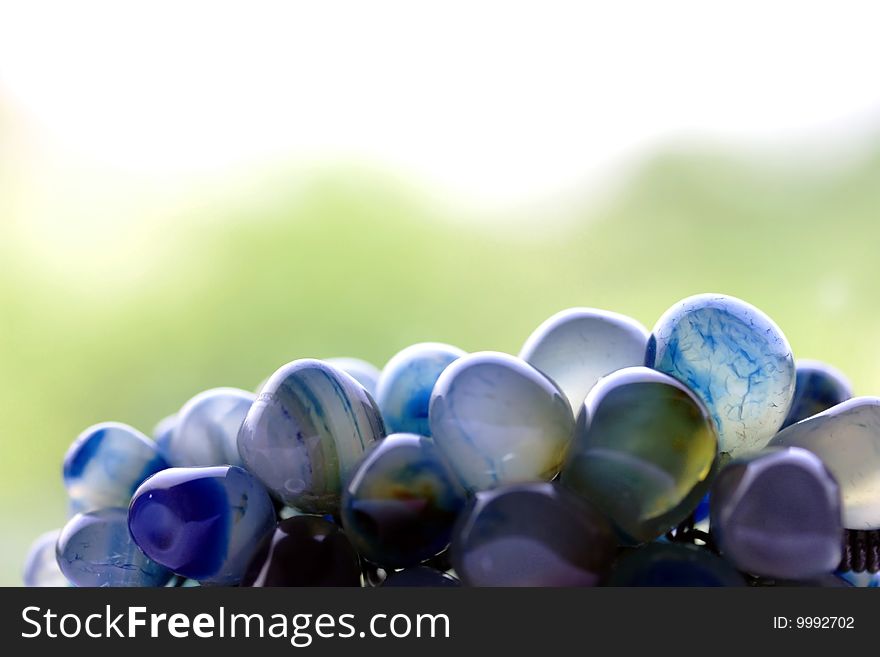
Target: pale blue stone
847,439
819,387
361,371
404,389
861,580
206,431
41,567
106,463
578,346
162,434
736,360
96,549
306,433
500,421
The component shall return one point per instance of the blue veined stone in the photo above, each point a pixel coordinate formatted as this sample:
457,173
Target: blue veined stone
861,580
106,463
202,523
578,346
531,535
643,452
96,549
306,432
673,564
776,513
361,371
304,551
847,439
818,387
206,431
402,501
404,389
736,360
421,576
41,567
162,434
500,421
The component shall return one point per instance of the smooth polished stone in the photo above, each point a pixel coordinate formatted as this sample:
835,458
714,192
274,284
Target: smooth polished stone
106,463
532,535
304,551
847,439
162,435
421,576
41,567
361,371
202,523
673,564
308,429
206,432
500,421
643,451
861,580
736,360
404,389
777,513
818,387
402,501
578,346
96,549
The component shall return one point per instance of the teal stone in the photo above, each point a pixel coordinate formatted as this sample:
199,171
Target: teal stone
500,421
402,501
41,567
670,564
737,361
306,432
578,346
847,440
361,371
206,430
403,392
643,451
777,513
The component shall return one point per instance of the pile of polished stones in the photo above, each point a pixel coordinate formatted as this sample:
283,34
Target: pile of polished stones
699,454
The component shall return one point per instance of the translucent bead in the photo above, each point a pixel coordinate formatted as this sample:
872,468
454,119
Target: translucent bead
404,389
500,421
847,439
361,371
106,463
736,360
206,431
96,549
202,523
308,429
41,567
643,451
578,346
402,502
818,387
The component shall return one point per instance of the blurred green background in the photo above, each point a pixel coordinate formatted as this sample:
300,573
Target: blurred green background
354,263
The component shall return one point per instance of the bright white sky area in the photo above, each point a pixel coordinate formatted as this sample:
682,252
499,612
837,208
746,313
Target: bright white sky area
494,103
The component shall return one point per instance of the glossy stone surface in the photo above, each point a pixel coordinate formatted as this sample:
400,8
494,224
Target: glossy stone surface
361,371
578,346
643,451
202,523
308,429
532,535
402,501
41,567
818,387
500,421
777,513
304,551
736,360
404,389
421,576
96,549
847,439
162,434
670,564
106,463
206,431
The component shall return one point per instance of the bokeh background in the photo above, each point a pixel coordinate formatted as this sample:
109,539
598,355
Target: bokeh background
193,194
